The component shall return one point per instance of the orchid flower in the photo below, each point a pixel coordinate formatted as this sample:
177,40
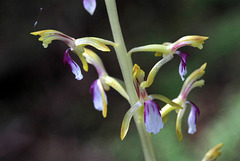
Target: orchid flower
90,6
166,50
146,106
102,84
75,45
190,83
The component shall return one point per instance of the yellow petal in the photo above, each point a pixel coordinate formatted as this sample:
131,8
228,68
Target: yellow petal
161,49
92,42
155,70
175,105
179,124
191,81
104,111
213,153
115,85
106,42
166,100
192,40
47,36
92,58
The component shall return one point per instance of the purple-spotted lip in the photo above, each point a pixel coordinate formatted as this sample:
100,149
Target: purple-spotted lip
152,117
155,108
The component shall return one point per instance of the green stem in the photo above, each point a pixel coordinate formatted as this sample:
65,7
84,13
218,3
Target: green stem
126,66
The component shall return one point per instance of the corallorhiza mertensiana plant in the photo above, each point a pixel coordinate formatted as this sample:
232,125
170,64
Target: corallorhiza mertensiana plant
148,115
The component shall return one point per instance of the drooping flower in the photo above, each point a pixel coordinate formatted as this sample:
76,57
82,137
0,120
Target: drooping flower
90,6
190,83
102,84
78,46
166,50
75,45
150,110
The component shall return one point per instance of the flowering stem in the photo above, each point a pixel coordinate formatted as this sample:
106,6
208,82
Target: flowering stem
126,66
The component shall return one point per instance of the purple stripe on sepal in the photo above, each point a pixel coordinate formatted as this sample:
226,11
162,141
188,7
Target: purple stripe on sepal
183,63
192,118
152,117
73,65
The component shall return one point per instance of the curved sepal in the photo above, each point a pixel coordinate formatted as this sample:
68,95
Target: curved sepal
213,153
115,85
106,42
83,60
92,58
179,123
127,118
191,82
47,36
166,100
160,49
154,71
192,40
92,42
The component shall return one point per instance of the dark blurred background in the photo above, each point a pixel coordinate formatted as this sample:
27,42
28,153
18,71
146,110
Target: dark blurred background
47,115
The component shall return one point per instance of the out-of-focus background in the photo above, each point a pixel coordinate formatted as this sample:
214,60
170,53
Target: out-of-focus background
47,115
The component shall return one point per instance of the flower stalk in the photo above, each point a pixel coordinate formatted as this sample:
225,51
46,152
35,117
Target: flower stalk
126,66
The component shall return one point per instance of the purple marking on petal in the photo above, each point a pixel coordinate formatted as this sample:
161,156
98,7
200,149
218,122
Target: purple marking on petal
73,65
90,5
183,63
97,95
192,118
152,117
181,44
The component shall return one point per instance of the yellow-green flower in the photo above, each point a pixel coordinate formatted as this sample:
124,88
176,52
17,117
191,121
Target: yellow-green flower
77,46
166,50
190,83
87,56
102,84
149,110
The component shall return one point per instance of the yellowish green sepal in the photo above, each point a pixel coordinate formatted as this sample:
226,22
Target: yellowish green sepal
154,71
160,49
106,42
166,100
92,42
127,118
213,153
115,85
47,36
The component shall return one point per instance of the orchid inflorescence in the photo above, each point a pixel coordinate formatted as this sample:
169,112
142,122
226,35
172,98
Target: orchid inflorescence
153,116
